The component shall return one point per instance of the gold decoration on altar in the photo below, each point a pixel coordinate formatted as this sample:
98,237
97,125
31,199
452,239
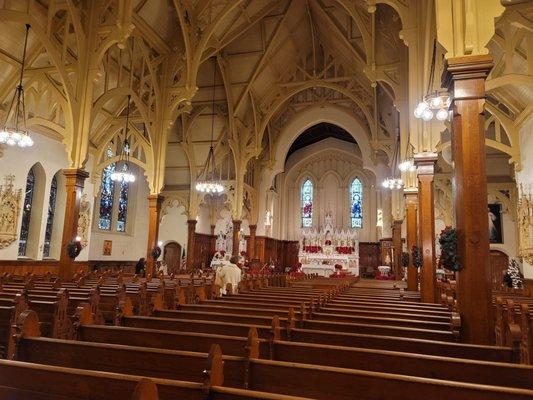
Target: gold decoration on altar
525,226
84,221
9,211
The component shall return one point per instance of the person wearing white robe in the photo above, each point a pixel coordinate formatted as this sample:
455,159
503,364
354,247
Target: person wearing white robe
229,273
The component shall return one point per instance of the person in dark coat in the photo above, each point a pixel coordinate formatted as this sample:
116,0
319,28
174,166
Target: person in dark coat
140,266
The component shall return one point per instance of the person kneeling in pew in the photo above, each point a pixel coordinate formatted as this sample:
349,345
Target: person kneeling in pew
229,273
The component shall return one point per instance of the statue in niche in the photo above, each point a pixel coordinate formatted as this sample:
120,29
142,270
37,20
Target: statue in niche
9,211
84,221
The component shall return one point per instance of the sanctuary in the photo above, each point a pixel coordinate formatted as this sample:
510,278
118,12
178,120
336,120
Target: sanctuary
322,249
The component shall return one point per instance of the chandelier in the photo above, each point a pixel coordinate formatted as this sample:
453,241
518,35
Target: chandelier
207,181
392,182
17,133
123,173
435,104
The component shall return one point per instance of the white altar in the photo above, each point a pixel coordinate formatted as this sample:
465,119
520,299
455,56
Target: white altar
322,249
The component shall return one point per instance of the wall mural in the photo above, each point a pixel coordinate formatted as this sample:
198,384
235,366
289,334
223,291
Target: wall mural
9,211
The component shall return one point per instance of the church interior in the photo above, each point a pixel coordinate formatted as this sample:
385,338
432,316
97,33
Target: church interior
266,199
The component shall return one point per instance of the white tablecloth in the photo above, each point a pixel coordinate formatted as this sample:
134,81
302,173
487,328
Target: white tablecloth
320,270
326,270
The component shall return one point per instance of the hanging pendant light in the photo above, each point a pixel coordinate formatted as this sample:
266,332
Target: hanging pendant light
392,182
435,104
207,181
16,133
123,172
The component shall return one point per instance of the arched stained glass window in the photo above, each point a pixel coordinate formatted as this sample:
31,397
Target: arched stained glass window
114,200
356,201
122,206
50,218
26,212
307,204
107,198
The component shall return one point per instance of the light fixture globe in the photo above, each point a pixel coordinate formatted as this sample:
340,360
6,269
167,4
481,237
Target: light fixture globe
442,114
427,115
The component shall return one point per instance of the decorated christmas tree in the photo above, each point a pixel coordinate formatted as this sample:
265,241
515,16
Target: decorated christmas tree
513,277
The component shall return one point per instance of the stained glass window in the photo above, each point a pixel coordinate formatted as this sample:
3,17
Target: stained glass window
122,206
107,197
307,204
356,198
50,219
26,212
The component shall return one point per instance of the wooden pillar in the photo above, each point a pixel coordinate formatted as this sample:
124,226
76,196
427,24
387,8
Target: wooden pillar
425,163
154,210
191,234
397,248
212,230
253,230
411,205
75,179
236,236
465,79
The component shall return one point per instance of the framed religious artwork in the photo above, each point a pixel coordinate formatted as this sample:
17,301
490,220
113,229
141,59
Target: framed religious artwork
495,223
107,248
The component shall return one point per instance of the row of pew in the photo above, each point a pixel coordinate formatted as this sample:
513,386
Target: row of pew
107,296
314,338
513,317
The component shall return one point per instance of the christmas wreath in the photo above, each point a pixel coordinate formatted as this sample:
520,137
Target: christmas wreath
156,252
405,259
74,249
448,249
418,260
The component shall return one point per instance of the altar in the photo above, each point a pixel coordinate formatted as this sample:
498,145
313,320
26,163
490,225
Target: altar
322,249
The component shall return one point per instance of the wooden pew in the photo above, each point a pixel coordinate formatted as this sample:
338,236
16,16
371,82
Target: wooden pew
251,372
204,326
10,309
27,381
385,330
404,344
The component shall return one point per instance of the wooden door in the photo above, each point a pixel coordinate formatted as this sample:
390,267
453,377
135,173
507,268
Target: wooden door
498,264
171,255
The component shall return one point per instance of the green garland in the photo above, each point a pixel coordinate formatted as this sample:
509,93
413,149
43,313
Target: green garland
416,253
448,250
405,259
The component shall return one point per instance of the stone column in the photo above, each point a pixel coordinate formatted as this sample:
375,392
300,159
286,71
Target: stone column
236,236
425,163
411,205
253,230
154,210
397,248
191,232
465,79
75,179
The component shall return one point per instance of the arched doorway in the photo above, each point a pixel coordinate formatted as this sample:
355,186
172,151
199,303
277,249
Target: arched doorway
171,256
498,264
